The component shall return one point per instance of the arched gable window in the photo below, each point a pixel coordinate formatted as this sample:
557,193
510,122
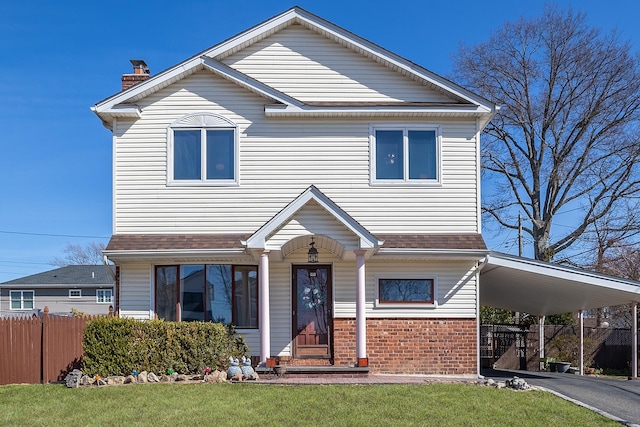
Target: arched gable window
203,150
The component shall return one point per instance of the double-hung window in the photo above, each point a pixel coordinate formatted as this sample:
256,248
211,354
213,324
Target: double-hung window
21,300
203,150
405,155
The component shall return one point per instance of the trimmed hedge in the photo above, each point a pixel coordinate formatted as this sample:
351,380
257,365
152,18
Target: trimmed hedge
118,346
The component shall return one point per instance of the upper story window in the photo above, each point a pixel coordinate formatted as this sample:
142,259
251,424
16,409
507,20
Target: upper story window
203,150
75,293
409,154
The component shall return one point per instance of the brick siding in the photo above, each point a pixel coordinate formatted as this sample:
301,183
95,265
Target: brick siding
411,346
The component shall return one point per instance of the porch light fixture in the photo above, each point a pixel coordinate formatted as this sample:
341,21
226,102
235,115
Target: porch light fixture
313,252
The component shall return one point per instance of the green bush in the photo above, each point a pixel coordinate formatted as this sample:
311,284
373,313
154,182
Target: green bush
566,348
117,346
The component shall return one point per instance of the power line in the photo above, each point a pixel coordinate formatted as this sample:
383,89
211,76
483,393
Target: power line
23,262
53,235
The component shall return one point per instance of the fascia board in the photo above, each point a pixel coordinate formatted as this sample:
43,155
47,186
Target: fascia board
174,252
470,253
293,110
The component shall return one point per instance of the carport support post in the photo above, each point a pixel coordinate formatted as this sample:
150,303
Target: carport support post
581,317
634,340
541,335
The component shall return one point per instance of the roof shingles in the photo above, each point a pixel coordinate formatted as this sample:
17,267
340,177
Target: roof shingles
168,242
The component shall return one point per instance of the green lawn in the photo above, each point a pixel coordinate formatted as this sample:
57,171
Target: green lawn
253,404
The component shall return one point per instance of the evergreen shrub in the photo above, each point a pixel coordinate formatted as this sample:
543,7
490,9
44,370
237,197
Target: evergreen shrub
118,346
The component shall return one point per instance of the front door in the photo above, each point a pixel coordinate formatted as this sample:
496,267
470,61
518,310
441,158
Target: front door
312,318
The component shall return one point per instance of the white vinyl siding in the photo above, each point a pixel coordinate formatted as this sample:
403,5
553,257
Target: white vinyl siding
455,297
312,219
311,67
135,291
280,158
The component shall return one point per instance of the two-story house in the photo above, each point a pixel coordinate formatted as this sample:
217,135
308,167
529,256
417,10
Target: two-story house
312,188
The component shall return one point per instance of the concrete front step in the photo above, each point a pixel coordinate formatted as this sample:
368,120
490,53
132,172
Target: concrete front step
315,371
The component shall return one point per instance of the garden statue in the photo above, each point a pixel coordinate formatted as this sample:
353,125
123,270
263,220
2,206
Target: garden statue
247,371
234,371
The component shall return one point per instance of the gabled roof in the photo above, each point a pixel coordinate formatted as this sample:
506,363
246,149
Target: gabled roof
71,275
259,238
463,102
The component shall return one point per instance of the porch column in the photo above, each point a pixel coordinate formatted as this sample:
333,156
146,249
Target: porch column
361,317
634,340
265,326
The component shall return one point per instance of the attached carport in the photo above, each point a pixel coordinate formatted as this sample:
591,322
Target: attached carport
542,289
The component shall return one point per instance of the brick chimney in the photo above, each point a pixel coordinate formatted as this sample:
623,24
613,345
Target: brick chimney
140,74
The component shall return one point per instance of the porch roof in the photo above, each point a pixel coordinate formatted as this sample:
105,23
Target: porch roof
155,244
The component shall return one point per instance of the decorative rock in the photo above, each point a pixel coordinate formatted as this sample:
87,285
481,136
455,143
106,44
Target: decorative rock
142,377
153,378
87,380
130,379
490,382
116,380
181,377
72,380
100,382
197,377
216,377
237,377
517,384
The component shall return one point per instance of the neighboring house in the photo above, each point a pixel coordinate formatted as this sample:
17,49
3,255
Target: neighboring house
85,288
312,188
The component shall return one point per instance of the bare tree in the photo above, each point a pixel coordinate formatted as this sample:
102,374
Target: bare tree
90,254
566,137
623,261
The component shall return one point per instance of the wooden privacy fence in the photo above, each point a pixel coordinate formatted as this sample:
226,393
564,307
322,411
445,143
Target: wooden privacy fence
43,349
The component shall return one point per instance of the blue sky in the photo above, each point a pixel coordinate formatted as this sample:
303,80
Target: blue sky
58,58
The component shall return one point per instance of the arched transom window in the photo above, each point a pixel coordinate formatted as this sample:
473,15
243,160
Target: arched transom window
203,150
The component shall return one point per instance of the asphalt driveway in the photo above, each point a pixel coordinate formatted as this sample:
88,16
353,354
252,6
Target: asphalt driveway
619,398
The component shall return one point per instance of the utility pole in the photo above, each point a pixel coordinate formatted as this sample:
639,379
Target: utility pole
517,313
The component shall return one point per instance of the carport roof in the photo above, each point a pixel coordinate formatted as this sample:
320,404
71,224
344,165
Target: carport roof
540,288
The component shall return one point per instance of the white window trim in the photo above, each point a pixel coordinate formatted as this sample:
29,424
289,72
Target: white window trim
79,291
437,182
98,296
203,122
391,305
21,299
